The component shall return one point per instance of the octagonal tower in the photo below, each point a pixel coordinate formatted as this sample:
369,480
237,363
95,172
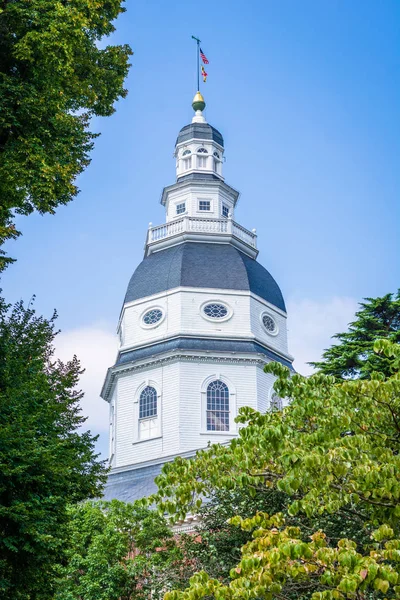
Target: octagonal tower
200,319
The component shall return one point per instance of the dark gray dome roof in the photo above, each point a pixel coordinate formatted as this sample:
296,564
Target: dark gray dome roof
202,265
202,131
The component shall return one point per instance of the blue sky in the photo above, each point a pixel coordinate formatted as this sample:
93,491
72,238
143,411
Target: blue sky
307,96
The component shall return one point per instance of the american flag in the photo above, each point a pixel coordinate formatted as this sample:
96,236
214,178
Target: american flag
204,57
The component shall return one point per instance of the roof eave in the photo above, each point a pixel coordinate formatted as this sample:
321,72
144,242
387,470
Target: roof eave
213,182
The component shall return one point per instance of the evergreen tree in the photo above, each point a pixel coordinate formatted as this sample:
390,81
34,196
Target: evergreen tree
54,76
46,460
353,356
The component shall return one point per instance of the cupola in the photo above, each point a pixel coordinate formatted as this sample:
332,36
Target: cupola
199,147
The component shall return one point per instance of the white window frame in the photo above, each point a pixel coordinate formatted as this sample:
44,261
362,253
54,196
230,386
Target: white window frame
178,214
136,421
225,206
269,314
213,319
232,431
202,160
202,211
144,325
187,163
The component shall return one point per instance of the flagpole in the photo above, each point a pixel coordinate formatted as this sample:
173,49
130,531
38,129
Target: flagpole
198,61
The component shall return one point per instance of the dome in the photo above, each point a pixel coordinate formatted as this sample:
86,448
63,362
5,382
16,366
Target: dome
203,265
201,131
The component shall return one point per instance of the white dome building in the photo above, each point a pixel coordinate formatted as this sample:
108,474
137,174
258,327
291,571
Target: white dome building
200,319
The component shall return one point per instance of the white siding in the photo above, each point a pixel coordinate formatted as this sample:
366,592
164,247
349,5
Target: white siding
278,342
191,194
129,451
182,406
183,316
264,386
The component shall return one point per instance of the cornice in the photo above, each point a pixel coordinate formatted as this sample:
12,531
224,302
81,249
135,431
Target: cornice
210,357
218,183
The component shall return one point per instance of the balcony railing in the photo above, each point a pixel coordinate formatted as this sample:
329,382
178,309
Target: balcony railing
202,225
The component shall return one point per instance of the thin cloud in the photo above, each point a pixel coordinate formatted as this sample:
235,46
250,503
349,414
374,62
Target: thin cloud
96,348
312,324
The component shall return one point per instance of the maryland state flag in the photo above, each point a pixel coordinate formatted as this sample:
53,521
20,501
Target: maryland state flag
204,74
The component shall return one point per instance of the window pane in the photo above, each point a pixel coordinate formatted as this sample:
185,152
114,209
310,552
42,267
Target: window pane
180,208
187,163
204,205
148,403
152,316
225,211
215,311
147,429
201,162
217,406
269,323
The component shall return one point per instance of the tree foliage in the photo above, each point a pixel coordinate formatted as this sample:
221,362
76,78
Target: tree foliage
353,356
335,451
216,545
54,76
117,551
46,461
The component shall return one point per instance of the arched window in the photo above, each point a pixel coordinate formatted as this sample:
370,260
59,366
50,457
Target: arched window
276,402
217,406
202,151
216,154
186,160
148,403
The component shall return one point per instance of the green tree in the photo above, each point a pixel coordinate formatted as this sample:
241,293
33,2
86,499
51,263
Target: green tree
353,356
46,460
117,551
334,451
54,76
216,545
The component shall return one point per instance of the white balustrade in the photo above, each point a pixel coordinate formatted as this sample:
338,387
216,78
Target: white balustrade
202,225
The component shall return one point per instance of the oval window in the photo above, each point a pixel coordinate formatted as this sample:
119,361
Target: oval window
269,323
152,316
215,310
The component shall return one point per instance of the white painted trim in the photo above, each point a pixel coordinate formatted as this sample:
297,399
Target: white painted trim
214,336
136,420
199,141
232,403
215,301
150,439
216,291
219,433
271,333
204,212
236,358
201,237
152,325
199,188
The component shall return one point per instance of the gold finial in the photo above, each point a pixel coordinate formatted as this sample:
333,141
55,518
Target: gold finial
198,102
